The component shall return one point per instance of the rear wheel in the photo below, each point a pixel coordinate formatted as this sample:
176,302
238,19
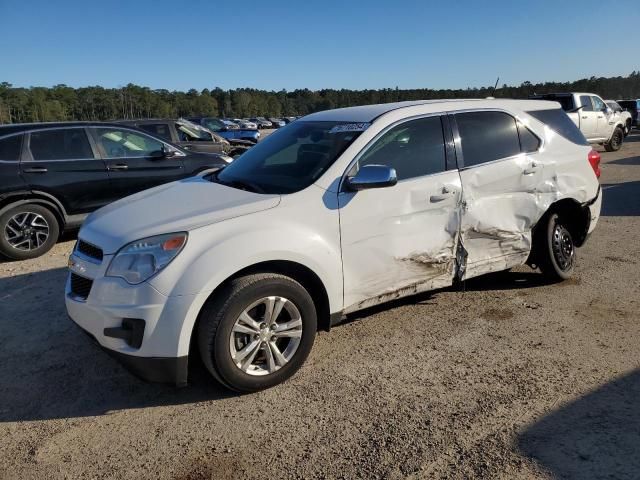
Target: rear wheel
27,231
257,331
556,250
614,144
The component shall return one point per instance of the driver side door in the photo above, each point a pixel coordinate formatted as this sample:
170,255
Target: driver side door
401,240
134,160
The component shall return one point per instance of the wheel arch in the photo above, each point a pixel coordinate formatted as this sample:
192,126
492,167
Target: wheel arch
576,217
56,209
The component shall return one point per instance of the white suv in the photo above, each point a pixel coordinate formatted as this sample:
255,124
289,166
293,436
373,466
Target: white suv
336,212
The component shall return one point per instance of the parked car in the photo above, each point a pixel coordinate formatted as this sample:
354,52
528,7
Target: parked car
633,107
242,123
191,136
223,129
622,115
343,210
277,122
592,116
53,174
288,120
261,122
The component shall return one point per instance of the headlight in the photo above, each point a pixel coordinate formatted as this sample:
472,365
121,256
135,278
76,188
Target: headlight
139,260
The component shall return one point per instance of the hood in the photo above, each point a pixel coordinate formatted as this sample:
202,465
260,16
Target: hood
173,207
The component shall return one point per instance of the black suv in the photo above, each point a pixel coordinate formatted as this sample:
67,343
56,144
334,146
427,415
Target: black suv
633,107
52,175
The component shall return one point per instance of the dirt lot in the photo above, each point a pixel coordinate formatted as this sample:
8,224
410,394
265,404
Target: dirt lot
510,378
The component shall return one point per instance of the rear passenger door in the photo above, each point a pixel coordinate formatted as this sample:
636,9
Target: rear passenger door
401,240
62,162
135,161
500,172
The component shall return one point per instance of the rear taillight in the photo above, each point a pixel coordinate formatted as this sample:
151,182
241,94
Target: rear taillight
594,160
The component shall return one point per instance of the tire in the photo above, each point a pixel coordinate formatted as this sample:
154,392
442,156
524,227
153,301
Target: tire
556,252
222,347
27,231
614,144
627,128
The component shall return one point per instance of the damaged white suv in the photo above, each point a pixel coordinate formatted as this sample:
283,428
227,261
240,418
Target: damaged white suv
336,212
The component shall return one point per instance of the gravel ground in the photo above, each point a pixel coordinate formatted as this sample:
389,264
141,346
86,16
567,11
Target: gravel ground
510,378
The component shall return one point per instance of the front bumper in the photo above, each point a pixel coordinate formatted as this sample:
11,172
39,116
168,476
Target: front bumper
151,369
159,353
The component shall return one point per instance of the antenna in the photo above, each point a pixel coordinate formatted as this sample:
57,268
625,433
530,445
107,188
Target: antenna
496,85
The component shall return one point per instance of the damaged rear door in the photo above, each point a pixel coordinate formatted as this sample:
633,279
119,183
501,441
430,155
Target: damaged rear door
402,239
500,172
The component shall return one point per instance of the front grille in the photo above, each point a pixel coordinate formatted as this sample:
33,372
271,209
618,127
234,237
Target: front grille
89,250
80,286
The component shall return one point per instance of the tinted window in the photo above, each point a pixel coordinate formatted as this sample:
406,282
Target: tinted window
10,148
560,123
565,101
528,141
628,104
119,143
585,101
413,148
487,136
159,129
60,144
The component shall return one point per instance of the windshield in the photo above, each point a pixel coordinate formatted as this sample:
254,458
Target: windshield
292,158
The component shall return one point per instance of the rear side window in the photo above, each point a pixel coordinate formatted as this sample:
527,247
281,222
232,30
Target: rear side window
560,123
159,129
487,136
10,148
60,144
413,148
528,141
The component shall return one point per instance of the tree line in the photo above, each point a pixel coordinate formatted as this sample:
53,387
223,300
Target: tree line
61,102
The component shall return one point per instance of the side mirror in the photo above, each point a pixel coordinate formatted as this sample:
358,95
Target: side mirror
372,176
607,110
166,152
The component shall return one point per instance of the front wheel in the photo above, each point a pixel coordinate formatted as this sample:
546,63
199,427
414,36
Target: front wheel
556,250
257,331
614,144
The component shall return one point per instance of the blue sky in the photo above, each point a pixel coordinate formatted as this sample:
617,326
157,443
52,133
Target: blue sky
314,44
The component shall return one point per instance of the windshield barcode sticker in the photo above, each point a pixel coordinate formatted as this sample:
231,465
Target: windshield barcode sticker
350,127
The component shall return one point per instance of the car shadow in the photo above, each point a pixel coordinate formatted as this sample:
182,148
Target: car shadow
625,161
596,436
621,199
50,369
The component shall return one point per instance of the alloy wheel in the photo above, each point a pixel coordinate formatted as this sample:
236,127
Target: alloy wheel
266,335
26,231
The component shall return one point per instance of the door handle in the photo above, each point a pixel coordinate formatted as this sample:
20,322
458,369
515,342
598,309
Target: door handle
35,170
600,116
119,166
584,117
533,168
446,193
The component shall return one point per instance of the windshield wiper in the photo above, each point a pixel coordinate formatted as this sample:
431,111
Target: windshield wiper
239,184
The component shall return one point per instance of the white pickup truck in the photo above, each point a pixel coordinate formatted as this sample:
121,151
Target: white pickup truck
597,122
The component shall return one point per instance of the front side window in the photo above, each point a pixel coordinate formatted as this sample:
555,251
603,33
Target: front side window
598,105
60,144
413,148
487,136
290,159
120,143
10,148
585,101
